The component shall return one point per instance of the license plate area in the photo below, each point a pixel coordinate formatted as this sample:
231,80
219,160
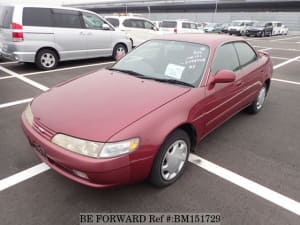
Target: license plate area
39,149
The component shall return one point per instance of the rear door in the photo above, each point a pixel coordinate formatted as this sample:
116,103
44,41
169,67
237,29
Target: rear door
69,33
222,98
99,38
250,74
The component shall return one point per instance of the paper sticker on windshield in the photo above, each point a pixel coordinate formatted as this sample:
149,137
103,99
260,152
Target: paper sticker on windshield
174,71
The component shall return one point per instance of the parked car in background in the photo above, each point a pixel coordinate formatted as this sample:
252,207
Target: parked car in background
171,92
284,30
239,27
213,28
276,27
157,23
179,26
260,29
138,29
47,35
225,28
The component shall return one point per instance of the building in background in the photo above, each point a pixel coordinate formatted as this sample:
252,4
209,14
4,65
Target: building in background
219,11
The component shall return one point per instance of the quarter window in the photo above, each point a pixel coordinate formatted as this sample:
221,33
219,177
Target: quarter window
245,52
186,25
67,18
225,59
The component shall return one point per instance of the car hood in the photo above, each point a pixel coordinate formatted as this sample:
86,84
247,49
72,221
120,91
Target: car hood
98,105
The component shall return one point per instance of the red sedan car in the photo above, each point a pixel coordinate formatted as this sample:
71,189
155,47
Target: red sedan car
141,117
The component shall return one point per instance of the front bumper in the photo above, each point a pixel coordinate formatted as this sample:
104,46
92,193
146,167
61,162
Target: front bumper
101,173
234,31
254,32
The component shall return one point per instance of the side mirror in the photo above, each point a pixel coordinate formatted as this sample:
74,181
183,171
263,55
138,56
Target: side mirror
105,27
224,76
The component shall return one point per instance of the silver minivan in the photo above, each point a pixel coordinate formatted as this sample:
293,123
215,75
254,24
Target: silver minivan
47,35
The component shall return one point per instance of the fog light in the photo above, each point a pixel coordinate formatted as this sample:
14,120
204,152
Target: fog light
80,174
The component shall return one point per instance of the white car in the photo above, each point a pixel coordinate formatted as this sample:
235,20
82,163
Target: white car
239,27
277,26
138,29
284,30
179,26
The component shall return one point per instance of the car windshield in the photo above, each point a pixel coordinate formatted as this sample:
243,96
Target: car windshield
169,24
176,62
237,23
259,24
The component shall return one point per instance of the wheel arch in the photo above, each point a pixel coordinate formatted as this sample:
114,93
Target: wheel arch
47,47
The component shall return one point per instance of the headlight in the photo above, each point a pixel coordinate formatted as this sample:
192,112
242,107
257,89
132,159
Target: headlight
119,148
28,115
95,149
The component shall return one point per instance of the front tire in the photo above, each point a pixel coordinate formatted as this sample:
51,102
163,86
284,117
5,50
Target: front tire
46,59
171,159
119,49
257,105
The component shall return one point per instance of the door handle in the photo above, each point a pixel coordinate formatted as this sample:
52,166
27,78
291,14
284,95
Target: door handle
81,33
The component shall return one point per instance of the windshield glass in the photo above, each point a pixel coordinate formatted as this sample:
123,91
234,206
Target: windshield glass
259,24
165,59
237,23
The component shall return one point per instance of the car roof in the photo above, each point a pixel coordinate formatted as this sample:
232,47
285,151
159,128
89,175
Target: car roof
205,39
46,6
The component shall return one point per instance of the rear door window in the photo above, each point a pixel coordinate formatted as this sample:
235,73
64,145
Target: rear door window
6,13
134,23
225,59
67,18
169,24
245,52
37,17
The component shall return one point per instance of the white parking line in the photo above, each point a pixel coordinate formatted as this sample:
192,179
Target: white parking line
265,49
61,69
282,39
283,58
286,62
25,79
266,193
283,49
23,175
5,105
286,81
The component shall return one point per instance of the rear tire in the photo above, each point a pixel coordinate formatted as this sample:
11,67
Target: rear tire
118,50
171,159
46,59
257,105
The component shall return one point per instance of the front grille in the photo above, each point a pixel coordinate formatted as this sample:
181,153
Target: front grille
43,130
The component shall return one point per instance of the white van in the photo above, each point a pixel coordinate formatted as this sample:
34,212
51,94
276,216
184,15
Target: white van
179,26
47,35
138,29
276,27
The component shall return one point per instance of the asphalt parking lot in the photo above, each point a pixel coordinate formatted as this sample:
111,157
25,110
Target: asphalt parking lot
263,148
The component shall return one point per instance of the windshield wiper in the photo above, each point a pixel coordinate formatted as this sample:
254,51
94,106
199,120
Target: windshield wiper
172,81
139,75
131,72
